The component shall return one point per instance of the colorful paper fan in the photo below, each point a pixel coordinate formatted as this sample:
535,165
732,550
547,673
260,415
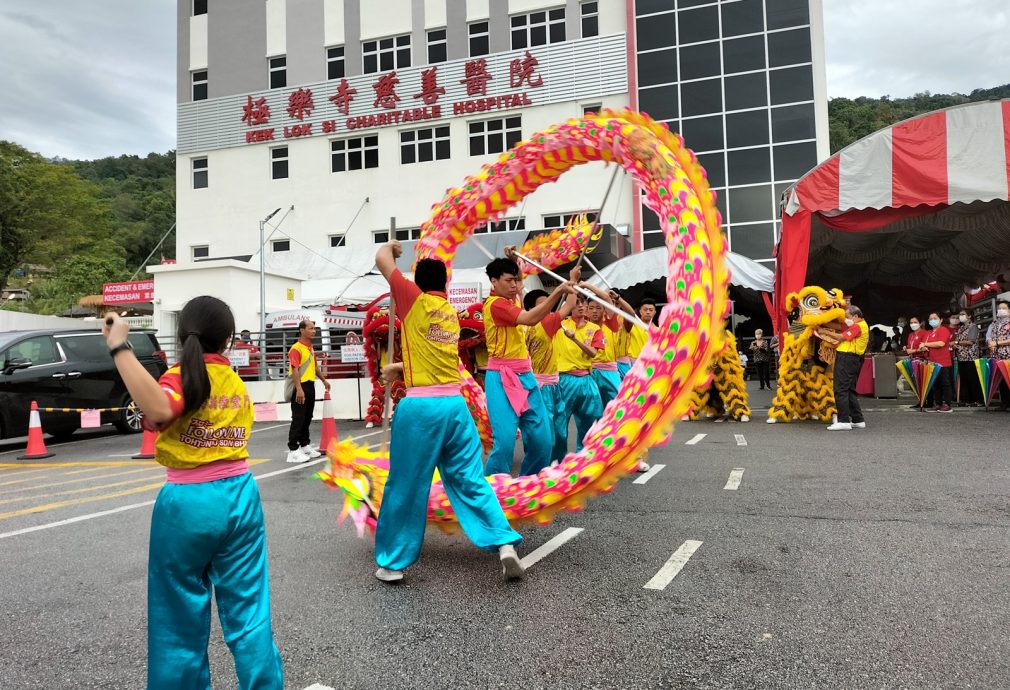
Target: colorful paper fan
562,246
920,376
983,367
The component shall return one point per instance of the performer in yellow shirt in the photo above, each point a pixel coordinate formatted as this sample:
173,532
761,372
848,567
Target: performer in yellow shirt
207,533
637,336
514,400
576,344
433,428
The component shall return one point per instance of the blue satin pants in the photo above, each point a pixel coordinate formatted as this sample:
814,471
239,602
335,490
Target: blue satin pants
608,382
580,397
208,540
538,439
554,406
429,433
623,368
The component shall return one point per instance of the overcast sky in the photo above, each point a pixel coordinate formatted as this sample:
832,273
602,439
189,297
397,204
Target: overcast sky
94,78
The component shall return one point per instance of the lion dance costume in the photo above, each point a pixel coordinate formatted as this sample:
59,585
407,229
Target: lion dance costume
658,388
376,335
727,392
805,389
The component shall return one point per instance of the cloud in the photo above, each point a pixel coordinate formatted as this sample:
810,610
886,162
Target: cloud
903,47
100,82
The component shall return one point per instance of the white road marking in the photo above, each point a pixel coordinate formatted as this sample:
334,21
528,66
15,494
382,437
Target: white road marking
268,428
673,566
649,474
120,509
734,480
319,686
552,545
720,420
740,440
695,440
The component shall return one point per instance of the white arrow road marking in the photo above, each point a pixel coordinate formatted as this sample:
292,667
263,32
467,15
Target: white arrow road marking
740,440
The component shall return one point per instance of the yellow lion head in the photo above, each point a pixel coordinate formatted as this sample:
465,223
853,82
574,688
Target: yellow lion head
814,306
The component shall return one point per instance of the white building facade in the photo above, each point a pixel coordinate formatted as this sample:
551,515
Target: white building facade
347,113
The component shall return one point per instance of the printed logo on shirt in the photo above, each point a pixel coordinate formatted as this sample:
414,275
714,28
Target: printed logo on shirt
202,434
437,334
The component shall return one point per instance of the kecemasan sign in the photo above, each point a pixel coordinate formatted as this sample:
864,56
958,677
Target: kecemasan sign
128,293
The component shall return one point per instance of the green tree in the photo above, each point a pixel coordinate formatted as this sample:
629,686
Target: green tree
47,212
78,276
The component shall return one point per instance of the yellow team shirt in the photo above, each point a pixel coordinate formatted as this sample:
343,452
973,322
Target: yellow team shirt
607,353
218,430
569,356
857,345
622,340
430,342
503,342
540,344
305,354
636,341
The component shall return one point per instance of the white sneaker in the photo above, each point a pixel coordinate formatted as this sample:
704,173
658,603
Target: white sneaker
771,420
297,456
643,466
744,418
840,426
859,425
389,575
511,566
311,452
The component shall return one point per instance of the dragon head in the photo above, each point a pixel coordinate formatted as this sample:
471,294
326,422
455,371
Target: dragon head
814,306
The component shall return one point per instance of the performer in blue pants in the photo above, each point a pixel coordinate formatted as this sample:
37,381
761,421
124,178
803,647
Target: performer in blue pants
576,344
432,428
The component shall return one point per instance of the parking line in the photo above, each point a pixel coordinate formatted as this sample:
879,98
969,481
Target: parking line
673,566
154,467
319,686
740,440
77,501
553,545
734,480
695,440
120,509
649,474
720,420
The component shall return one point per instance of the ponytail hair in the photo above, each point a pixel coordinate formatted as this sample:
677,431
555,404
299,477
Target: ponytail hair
205,325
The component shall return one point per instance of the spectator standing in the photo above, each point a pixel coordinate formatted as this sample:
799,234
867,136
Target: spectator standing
936,345
966,351
852,343
998,338
300,391
761,349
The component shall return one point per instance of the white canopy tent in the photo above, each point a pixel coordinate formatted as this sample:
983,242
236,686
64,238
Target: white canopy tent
651,265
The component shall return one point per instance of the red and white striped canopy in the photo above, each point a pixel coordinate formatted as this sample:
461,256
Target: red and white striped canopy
961,154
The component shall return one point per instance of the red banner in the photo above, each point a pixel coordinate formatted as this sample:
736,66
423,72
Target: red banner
128,293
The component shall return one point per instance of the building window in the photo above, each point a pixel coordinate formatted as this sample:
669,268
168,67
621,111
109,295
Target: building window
480,41
278,72
200,85
386,54
423,145
199,7
560,220
335,62
380,237
494,136
504,225
354,154
281,245
590,19
279,163
538,28
200,180
337,240
437,46
199,251
591,109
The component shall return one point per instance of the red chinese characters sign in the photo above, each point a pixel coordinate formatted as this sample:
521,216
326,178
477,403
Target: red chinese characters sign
477,77
128,293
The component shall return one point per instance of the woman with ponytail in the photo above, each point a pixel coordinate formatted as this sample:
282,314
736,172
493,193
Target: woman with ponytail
207,532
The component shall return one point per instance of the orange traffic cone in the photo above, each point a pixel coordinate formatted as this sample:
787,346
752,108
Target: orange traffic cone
329,432
147,446
36,449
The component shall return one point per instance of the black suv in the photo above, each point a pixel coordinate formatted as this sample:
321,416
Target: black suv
68,369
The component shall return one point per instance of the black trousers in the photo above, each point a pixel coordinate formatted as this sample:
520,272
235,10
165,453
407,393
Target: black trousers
847,366
944,387
301,416
763,370
971,389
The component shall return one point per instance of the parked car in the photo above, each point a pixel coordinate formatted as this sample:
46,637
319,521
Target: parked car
68,369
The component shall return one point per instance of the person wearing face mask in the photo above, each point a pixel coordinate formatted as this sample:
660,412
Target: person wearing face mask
761,349
998,338
852,344
915,337
936,345
966,351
